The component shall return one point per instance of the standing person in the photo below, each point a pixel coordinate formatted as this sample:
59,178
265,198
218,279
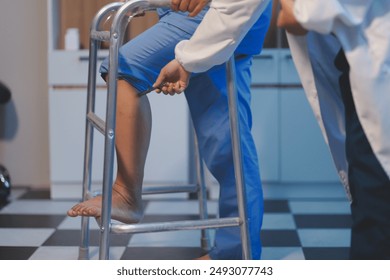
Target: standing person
344,68
140,61
353,102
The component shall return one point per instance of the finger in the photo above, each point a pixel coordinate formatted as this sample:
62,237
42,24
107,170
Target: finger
141,14
178,87
168,89
171,90
195,12
160,80
184,4
165,89
175,4
172,93
194,8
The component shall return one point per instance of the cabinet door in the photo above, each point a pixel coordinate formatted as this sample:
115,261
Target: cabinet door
265,130
305,157
288,73
170,149
67,116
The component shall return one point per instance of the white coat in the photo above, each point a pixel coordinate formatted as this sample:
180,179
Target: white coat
362,28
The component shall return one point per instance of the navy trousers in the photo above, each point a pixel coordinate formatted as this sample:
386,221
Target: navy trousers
369,184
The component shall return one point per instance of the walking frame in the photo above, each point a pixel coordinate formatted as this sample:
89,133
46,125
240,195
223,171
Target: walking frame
124,12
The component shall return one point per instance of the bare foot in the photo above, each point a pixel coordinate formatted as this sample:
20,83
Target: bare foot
204,258
125,208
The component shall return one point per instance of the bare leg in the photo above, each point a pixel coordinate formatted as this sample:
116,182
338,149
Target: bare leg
133,128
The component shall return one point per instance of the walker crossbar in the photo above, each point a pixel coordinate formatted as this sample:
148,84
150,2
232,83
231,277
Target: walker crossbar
159,190
162,189
97,122
100,35
178,225
124,12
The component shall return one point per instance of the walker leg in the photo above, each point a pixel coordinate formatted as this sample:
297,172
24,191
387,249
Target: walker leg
237,158
202,194
117,32
91,96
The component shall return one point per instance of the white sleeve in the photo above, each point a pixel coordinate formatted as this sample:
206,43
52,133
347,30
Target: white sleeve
218,35
326,16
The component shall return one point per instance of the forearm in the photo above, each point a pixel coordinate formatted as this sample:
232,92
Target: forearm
222,29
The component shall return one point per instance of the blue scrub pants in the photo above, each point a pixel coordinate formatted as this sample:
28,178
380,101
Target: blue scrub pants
140,61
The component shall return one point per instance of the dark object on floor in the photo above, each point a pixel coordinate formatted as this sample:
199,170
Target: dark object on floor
5,93
5,184
5,181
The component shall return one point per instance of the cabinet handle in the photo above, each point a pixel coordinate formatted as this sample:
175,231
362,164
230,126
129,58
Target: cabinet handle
86,58
277,86
265,57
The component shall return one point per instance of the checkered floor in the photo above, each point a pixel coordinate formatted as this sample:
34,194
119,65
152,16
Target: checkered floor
300,222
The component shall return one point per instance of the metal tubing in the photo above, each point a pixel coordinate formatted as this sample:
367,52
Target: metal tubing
237,158
91,96
160,190
171,226
170,189
202,193
125,13
97,122
100,35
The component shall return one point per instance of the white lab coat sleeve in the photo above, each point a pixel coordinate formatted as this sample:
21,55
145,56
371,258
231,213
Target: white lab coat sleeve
218,35
327,16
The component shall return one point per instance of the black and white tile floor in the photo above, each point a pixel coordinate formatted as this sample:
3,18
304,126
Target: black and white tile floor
300,222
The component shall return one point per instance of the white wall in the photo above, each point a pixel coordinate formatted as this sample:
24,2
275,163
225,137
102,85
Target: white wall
23,68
